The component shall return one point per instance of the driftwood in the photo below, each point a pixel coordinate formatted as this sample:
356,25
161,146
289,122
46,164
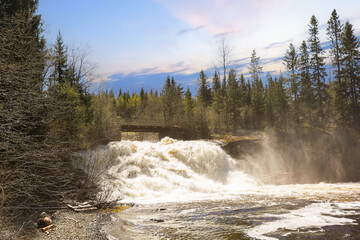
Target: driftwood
47,227
82,207
90,206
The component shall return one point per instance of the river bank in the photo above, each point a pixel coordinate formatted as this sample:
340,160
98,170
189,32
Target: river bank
76,225
69,225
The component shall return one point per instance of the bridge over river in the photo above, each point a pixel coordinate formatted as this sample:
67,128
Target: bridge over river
163,131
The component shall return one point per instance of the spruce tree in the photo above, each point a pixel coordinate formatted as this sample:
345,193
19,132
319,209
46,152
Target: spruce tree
166,93
269,102
291,64
306,96
204,99
204,91
281,106
333,32
318,71
189,110
216,90
351,72
233,100
171,96
243,105
217,102
257,92
255,69
60,62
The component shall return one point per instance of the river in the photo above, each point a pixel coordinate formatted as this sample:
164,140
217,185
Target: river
194,190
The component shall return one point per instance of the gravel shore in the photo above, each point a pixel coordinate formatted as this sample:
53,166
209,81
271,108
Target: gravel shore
76,225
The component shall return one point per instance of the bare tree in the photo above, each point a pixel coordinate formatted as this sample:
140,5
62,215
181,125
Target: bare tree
83,69
224,53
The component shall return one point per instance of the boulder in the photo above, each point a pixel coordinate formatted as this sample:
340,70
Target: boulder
44,220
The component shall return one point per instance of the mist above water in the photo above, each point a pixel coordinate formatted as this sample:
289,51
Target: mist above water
293,159
172,170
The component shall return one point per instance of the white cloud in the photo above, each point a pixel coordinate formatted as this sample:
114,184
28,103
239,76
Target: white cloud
222,16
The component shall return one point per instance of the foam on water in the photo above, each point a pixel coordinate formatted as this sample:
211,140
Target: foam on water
315,215
181,172
172,170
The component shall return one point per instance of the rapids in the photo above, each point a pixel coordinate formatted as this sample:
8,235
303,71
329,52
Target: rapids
172,170
194,190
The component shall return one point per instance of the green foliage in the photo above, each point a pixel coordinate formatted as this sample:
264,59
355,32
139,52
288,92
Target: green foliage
257,92
204,101
233,100
257,104
255,69
189,106
351,74
291,64
172,96
204,91
68,120
317,71
333,32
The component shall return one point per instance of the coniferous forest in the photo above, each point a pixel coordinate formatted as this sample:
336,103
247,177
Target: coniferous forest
48,113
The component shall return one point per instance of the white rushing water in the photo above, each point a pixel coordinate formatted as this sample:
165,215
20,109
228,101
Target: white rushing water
172,170
205,193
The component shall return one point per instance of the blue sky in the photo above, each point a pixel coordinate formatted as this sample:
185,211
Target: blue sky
137,43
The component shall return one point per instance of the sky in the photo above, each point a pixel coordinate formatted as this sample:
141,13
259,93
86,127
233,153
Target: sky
137,43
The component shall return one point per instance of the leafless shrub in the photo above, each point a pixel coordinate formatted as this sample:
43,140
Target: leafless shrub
91,167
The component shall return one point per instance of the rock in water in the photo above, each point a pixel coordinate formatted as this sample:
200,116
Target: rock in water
44,220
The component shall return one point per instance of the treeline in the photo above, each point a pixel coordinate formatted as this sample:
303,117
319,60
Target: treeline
305,98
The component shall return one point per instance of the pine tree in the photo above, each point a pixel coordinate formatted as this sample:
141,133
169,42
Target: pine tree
269,102
225,116
306,96
204,91
233,100
217,103
257,104
243,102
281,105
351,72
171,95
333,32
318,71
204,99
257,92
217,98
291,64
189,110
166,100
60,62
255,69
143,103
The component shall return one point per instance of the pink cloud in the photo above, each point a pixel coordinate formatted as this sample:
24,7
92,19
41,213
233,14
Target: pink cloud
221,16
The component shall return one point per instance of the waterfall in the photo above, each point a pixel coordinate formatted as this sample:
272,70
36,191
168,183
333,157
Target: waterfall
172,170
